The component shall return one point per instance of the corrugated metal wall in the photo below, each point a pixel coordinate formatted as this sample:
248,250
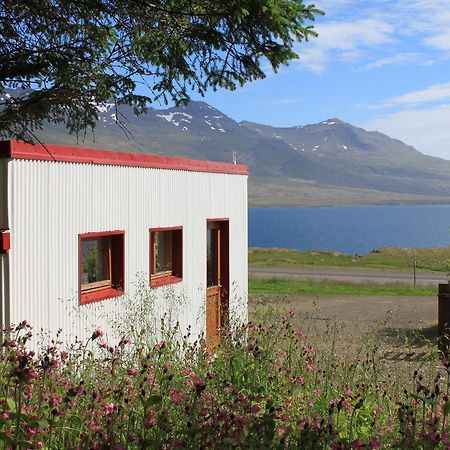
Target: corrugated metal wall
50,203
4,282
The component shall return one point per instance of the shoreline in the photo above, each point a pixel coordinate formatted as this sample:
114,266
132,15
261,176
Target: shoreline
348,205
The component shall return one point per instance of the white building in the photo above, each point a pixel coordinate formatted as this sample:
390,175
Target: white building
81,228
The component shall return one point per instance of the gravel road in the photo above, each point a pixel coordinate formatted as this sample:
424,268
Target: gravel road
353,275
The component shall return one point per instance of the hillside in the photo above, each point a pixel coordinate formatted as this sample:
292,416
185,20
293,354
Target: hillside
331,162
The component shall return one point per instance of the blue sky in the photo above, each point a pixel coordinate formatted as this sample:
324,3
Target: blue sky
383,65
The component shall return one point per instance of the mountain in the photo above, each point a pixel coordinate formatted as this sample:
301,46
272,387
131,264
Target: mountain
331,162
345,155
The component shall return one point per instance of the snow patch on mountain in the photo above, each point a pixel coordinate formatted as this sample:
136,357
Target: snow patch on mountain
174,117
167,117
104,107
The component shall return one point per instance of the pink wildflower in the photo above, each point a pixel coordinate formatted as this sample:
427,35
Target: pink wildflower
177,396
95,427
109,408
150,419
97,333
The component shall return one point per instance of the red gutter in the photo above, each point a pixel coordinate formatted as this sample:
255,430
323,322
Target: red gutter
23,150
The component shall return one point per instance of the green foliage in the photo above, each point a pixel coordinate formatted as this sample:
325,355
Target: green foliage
280,285
71,56
89,266
389,258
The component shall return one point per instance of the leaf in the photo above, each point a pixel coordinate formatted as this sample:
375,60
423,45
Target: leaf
11,404
43,423
152,401
446,408
5,438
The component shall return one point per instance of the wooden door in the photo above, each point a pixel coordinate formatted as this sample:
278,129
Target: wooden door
216,281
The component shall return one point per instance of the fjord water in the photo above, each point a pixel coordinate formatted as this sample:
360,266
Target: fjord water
350,229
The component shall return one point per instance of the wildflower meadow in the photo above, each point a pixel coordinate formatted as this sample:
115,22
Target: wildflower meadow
267,386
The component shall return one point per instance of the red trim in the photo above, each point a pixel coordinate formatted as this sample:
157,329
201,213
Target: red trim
224,225
96,296
177,257
23,150
100,234
118,268
165,229
223,219
163,281
5,241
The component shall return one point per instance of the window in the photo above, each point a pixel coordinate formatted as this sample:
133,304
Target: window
101,263
166,255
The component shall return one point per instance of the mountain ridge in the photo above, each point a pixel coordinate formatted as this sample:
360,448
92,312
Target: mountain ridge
331,154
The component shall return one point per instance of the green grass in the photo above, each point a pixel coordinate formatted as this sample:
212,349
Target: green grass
278,285
389,258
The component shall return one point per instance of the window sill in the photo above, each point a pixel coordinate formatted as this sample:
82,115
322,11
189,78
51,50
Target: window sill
163,281
101,294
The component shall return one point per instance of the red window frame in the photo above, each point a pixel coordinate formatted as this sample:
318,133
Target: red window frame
117,287
176,274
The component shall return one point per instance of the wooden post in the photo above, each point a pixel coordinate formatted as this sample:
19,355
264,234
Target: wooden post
444,317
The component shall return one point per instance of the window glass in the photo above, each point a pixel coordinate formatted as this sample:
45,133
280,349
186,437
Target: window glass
96,263
166,256
212,257
101,265
163,252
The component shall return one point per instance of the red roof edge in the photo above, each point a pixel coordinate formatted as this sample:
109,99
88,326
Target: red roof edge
60,153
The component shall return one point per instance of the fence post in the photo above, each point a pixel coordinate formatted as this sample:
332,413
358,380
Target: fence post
444,317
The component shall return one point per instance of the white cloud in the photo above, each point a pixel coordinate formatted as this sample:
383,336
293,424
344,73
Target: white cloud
427,129
436,92
361,29
339,40
395,60
440,40
354,34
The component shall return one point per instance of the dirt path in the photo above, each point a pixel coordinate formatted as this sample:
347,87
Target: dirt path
401,324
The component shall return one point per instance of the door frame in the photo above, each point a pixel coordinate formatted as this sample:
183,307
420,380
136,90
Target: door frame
223,224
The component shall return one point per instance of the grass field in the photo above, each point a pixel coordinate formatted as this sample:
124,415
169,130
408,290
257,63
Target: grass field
389,258
287,286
